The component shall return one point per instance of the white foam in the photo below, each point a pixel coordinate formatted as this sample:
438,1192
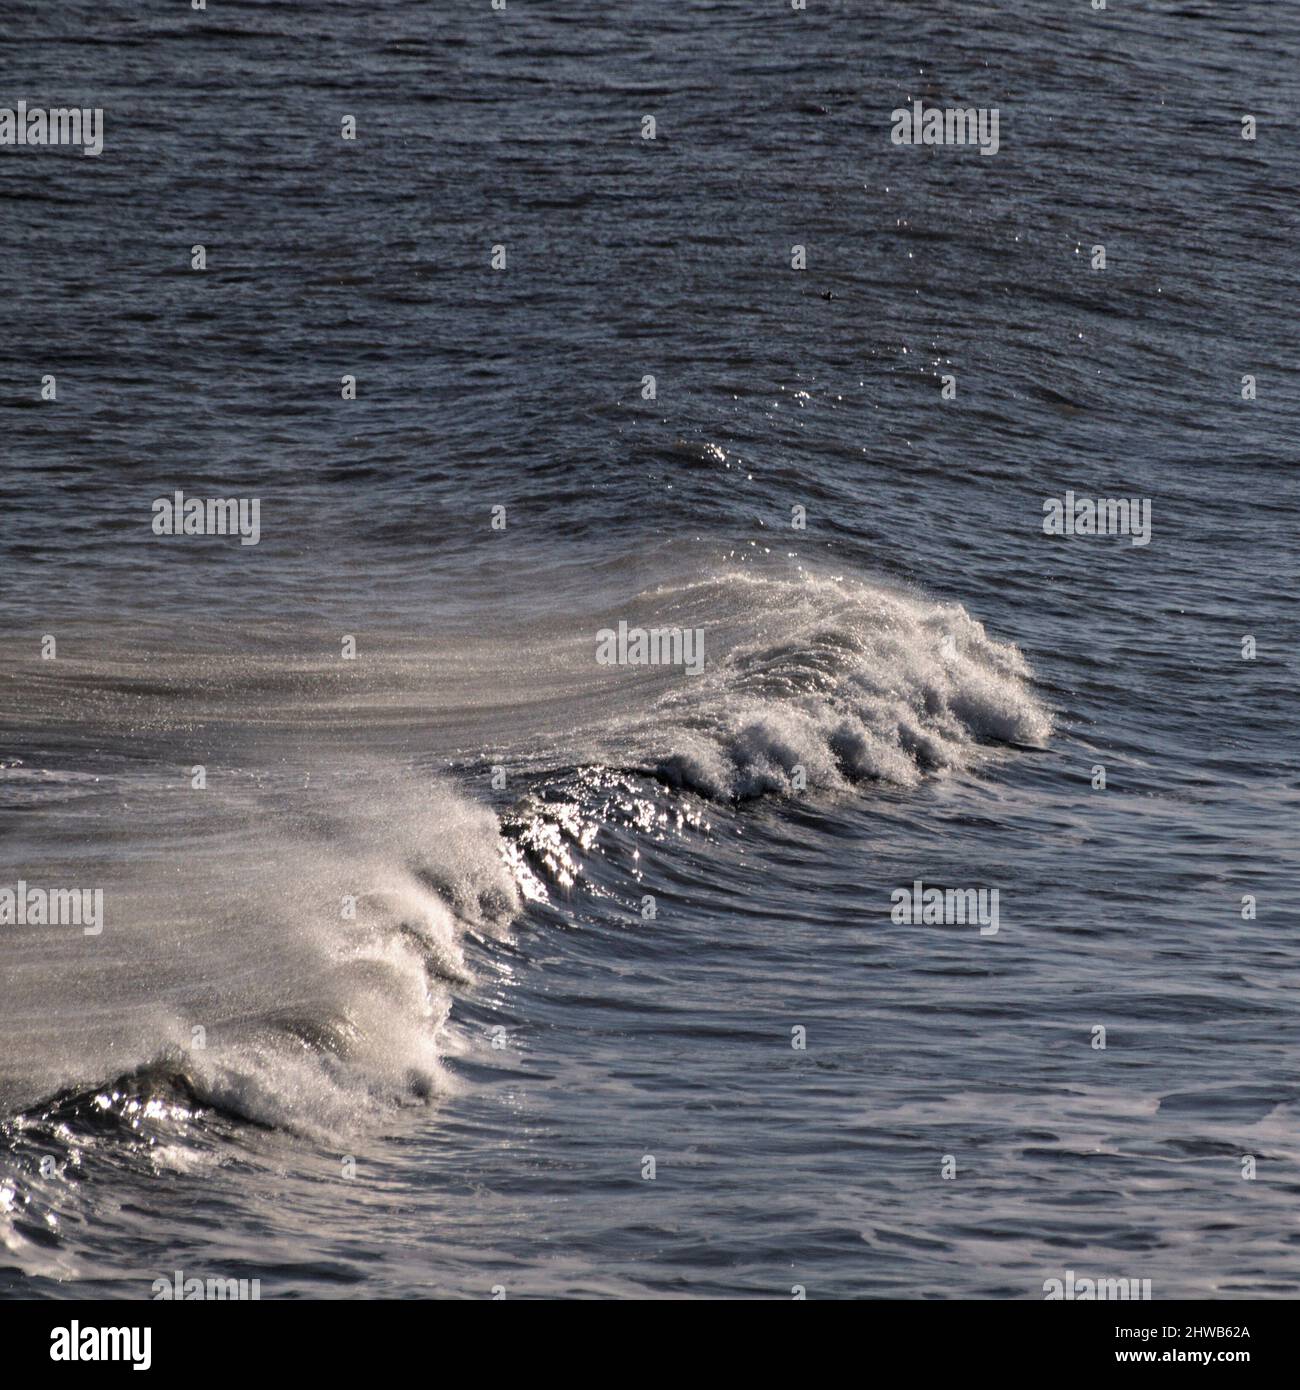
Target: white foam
841,678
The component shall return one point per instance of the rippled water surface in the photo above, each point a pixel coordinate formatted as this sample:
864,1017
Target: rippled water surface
463,932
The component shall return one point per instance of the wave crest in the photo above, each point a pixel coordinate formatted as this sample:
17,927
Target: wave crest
829,682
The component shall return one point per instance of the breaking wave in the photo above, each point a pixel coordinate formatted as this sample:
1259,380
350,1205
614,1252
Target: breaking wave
285,946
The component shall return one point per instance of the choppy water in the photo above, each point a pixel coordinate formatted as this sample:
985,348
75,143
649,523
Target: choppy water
456,1088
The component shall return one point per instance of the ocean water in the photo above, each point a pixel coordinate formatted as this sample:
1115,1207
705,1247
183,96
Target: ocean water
465,929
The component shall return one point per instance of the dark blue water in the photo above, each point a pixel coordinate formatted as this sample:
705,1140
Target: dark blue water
592,905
